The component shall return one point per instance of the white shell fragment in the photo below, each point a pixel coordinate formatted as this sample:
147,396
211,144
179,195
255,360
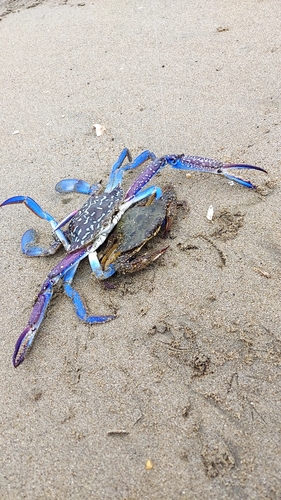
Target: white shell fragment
100,129
210,212
149,465
16,132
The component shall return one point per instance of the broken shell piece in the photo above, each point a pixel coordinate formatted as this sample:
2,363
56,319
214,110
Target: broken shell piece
149,465
100,129
188,175
210,212
16,132
263,273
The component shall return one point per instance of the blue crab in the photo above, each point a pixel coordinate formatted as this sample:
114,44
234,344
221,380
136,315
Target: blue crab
89,227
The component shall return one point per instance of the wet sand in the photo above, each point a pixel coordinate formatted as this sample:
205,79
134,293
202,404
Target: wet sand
188,375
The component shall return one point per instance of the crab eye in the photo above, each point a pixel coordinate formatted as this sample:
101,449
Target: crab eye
219,171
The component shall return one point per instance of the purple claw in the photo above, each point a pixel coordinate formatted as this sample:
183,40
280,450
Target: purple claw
26,338
208,165
190,163
23,343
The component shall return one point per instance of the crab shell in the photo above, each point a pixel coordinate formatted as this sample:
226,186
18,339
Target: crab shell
138,225
93,216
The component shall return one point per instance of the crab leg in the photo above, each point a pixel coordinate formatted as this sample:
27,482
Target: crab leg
153,168
26,338
111,184
77,301
118,170
37,210
28,240
138,263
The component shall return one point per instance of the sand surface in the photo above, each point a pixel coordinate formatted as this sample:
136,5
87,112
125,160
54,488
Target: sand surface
188,375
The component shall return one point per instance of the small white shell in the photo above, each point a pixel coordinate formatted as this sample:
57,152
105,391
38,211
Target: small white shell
210,212
100,129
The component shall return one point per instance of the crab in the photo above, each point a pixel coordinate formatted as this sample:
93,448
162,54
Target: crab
89,227
138,225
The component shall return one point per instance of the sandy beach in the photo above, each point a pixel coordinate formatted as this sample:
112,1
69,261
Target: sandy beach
178,398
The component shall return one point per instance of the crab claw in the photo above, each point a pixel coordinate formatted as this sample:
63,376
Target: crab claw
23,343
26,338
42,214
247,184
201,164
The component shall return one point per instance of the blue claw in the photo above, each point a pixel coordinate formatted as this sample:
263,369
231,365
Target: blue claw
29,248
37,210
182,162
76,186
